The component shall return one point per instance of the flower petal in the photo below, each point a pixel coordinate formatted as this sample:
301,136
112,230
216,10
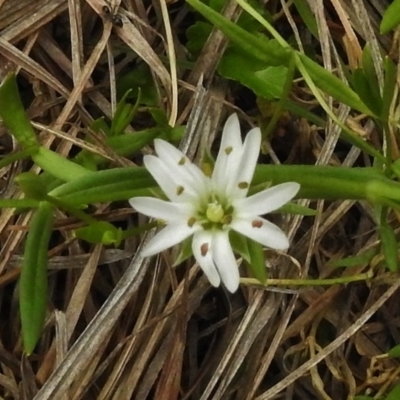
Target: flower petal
268,200
239,184
229,154
201,247
161,209
169,236
261,231
171,182
177,161
225,260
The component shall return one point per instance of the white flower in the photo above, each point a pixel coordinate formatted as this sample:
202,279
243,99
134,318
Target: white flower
208,207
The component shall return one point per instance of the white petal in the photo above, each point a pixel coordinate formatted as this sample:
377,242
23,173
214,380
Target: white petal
229,154
177,161
261,231
171,182
171,235
201,247
268,200
225,260
161,209
240,183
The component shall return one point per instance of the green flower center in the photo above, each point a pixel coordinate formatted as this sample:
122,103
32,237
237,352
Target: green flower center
214,212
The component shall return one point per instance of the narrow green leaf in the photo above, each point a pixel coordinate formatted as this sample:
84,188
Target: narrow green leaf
33,280
257,260
18,155
13,113
58,166
307,16
394,394
389,87
332,85
391,17
359,260
32,185
256,46
389,244
109,185
100,232
394,352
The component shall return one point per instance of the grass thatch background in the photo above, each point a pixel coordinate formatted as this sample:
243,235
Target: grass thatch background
163,333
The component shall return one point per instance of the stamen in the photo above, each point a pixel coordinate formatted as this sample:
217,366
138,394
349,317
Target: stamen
179,190
228,150
182,161
257,224
204,249
243,185
191,221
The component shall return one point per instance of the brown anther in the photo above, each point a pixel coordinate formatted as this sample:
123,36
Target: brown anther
257,224
204,249
179,190
243,185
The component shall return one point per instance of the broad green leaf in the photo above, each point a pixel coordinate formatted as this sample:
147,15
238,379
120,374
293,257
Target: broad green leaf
391,17
13,113
33,280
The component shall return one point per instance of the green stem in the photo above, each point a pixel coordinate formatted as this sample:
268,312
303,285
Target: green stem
309,282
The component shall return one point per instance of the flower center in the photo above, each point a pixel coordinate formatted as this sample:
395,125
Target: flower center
214,212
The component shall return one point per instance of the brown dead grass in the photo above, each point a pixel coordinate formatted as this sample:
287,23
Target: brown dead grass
123,327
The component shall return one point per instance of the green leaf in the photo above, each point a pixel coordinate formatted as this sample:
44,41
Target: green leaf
389,87
388,244
297,209
394,394
32,185
332,85
239,245
362,259
391,17
394,352
33,280
13,113
257,260
307,16
367,93
100,232
255,46
109,185
58,166
138,79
